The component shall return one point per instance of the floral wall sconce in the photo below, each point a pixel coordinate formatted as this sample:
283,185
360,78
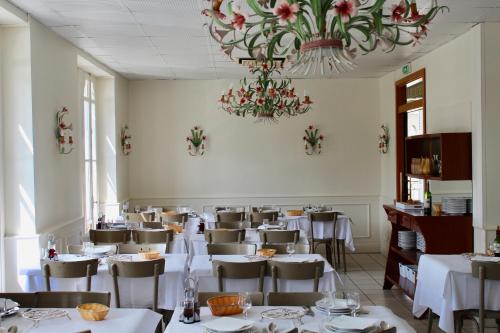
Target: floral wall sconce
126,141
312,140
196,142
383,139
64,132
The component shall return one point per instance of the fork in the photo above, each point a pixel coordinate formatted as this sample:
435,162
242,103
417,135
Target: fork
308,312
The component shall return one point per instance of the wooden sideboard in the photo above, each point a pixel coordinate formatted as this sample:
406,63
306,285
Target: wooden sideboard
445,234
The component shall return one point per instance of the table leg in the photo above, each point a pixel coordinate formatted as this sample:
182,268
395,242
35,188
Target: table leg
343,255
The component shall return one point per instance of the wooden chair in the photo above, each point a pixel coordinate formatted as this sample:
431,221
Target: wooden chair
281,248
231,225
109,236
152,225
332,245
137,269
279,236
231,217
142,237
74,249
293,299
260,217
25,300
69,299
70,269
180,219
239,270
257,297
224,236
234,248
262,208
483,271
147,217
133,217
296,271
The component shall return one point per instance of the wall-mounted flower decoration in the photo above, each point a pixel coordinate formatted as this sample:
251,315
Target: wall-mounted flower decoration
196,142
312,140
64,132
126,140
383,139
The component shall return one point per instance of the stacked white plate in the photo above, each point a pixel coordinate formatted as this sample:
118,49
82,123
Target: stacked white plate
345,324
454,206
337,308
407,240
229,325
420,242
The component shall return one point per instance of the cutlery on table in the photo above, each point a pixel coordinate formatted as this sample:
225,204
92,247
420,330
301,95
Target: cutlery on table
308,310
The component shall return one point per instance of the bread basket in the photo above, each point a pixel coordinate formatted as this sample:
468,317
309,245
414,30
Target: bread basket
295,212
149,255
268,253
226,305
93,311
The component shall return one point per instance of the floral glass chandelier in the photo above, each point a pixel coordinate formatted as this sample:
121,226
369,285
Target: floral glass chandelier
265,98
318,36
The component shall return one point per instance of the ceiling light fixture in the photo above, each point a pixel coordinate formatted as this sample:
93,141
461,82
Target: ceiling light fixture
318,36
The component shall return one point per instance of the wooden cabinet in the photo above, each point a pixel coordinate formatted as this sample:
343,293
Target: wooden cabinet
453,149
443,235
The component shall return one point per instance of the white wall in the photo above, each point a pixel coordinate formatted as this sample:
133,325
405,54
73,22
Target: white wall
451,94
250,163
121,119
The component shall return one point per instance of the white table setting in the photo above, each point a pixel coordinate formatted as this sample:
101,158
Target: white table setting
117,320
445,284
201,268
134,292
314,324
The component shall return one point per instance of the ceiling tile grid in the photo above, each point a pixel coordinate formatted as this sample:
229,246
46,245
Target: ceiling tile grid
168,39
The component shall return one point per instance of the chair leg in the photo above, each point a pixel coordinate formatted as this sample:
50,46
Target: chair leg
329,251
498,325
338,251
458,320
343,255
429,321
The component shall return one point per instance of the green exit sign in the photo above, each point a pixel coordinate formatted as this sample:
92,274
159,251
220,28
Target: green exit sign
406,69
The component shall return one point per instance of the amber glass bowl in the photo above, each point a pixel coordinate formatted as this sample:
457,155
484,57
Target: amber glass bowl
93,311
224,305
295,212
149,255
268,253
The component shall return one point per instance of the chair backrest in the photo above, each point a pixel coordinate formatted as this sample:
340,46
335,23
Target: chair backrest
224,236
257,297
234,248
179,218
25,300
262,208
279,236
296,271
137,269
109,236
70,269
152,237
239,270
230,216
69,299
293,299
281,248
147,217
259,217
133,217
74,248
152,225
283,224
231,225
324,217
484,271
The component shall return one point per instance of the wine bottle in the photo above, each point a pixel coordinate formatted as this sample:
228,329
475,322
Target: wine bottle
427,199
496,243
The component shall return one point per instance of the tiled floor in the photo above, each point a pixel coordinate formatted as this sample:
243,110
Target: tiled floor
365,273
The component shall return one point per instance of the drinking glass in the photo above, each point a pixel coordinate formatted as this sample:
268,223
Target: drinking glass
265,223
353,302
245,302
290,249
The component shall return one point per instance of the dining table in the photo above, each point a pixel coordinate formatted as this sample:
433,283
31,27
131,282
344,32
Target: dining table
309,323
201,268
445,284
118,320
134,292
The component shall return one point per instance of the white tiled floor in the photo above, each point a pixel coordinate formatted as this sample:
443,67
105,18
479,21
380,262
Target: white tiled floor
365,273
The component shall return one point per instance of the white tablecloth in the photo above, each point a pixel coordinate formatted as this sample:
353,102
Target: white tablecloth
118,320
445,284
198,245
201,267
322,229
311,323
134,292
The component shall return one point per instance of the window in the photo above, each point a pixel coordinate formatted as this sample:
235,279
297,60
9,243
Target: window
90,158
410,121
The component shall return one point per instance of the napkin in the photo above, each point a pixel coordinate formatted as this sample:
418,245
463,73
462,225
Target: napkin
353,323
227,324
